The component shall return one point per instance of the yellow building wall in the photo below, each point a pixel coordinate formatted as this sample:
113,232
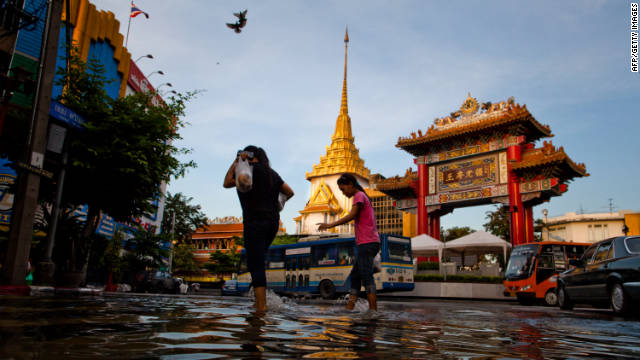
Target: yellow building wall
633,223
409,224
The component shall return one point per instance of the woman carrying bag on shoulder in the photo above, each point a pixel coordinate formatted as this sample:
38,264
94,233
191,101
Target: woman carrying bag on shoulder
367,239
258,191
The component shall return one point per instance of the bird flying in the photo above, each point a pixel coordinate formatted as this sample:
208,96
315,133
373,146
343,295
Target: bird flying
242,21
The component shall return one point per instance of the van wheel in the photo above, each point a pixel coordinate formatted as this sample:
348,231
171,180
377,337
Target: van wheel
551,298
620,301
326,289
564,301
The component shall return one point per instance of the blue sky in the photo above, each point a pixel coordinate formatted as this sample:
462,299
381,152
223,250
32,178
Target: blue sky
278,84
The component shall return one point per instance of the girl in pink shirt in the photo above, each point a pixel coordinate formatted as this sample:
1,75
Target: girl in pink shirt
367,239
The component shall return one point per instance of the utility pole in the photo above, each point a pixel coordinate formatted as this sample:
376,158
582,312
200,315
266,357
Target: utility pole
26,198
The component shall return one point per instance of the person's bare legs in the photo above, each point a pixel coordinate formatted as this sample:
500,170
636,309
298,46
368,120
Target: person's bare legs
373,303
261,298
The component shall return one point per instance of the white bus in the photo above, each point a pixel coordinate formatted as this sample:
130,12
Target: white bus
321,265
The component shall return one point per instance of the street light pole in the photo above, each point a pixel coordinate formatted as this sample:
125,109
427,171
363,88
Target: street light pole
173,224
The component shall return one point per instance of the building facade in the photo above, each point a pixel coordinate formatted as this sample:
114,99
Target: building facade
590,228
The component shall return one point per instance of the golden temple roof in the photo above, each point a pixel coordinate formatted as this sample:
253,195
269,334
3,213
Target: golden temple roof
322,200
342,155
469,121
556,160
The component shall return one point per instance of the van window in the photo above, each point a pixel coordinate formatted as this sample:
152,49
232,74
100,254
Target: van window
633,244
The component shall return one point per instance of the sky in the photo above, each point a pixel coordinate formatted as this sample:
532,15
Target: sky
278,84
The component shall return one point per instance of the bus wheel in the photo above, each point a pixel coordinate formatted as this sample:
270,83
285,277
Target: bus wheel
327,289
564,301
550,298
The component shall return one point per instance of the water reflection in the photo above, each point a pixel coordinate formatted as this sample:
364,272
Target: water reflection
226,327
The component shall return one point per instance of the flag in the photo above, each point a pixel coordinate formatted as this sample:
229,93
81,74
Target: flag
135,11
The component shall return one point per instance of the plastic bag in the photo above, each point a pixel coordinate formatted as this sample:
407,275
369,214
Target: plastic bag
282,198
377,263
244,175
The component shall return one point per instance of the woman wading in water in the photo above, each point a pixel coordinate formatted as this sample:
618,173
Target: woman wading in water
367,239
260,214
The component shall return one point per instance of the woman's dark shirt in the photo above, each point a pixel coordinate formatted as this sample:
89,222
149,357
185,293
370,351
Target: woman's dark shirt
260,203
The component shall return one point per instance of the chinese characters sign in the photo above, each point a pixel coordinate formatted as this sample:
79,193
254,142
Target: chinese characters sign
465,174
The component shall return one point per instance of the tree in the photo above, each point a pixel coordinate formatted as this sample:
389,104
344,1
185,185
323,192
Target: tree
124,153
188,217
499,222
183,260
145,250
223,262
455,232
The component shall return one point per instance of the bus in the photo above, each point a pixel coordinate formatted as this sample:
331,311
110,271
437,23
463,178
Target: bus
532,271
320,265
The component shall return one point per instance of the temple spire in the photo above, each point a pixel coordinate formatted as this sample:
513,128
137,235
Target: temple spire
344,109
343,123
342,155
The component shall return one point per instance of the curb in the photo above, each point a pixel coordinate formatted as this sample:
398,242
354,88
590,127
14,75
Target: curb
30,290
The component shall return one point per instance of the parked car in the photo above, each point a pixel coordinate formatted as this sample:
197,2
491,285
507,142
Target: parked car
156,281
230,287
607,275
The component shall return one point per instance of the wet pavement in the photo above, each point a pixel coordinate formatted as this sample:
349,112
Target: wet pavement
191,327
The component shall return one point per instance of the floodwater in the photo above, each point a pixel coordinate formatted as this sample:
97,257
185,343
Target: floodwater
174,327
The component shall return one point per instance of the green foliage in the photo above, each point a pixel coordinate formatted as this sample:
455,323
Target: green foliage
188,217
183,260
285,239
106,258
428,265
458,278
223,262
125,152
144,250
238,240
455,233
498,222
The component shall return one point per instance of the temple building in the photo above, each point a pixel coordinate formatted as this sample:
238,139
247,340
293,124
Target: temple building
327,203
482,154
217,235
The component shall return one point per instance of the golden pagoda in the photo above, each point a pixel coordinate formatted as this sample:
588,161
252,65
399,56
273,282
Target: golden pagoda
327,203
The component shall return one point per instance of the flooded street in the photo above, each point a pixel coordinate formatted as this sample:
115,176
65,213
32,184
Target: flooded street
176,327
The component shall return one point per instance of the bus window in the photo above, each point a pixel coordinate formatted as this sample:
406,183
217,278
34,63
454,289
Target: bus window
345,254
325,255
399,251
306,262
275,259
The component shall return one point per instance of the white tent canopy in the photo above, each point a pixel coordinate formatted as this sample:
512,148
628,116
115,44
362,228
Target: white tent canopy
479,242
425,245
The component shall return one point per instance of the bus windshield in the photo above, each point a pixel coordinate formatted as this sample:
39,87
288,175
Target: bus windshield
399,250
521,262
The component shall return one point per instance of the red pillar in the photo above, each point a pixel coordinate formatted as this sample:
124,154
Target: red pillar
515,200
434,222
423,183
528,220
